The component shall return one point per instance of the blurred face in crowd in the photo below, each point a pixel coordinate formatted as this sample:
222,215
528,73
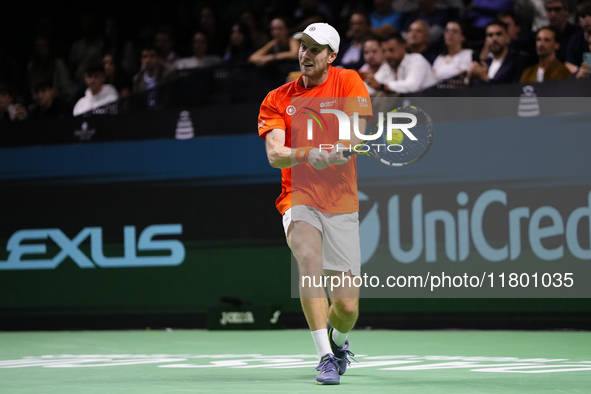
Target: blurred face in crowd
150,60
199,45
236,36
585,22
557,14
497,39
43,97
164,42
42,48
394,52
279,30
314,57
452,35
418,34
247,17
359,26
109,64
207,19
546,44
5,100
372,53
512,28
94,81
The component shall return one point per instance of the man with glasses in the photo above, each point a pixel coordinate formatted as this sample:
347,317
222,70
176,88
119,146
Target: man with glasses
578,42
557,12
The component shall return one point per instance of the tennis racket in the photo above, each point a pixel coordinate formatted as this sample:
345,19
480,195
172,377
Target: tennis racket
401,150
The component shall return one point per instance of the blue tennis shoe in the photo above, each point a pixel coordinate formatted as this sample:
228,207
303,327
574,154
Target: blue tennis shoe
329,370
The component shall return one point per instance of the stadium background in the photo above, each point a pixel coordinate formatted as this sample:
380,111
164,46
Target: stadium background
135,169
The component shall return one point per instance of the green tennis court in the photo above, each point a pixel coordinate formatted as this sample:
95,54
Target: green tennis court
189,361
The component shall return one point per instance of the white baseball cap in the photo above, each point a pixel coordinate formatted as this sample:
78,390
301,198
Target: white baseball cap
322,33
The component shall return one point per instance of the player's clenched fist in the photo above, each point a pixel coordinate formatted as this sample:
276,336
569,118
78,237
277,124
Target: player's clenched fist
319,159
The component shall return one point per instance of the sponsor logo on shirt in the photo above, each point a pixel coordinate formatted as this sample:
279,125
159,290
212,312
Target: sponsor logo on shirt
261,124
290,110
362,101
328,104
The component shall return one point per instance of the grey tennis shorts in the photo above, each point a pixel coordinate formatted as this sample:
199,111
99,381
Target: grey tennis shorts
341,250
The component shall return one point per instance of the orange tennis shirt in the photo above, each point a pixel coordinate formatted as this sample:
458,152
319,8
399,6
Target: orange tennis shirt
296,110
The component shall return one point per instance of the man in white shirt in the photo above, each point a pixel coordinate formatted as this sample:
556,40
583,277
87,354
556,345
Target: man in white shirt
402,72
98,93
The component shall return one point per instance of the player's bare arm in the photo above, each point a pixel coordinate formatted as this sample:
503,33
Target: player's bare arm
281,156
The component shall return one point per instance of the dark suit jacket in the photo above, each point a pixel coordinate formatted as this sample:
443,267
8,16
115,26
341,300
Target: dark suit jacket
557,70
510,70
342,49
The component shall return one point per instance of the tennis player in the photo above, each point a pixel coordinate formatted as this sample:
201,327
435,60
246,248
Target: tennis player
319,201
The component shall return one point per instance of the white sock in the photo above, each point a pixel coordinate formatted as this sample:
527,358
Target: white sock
321,342
338,337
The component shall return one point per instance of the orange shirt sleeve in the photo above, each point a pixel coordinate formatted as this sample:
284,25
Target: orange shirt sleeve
358,96
269,117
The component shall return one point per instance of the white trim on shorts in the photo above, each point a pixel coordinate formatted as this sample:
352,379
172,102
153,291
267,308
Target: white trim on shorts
341,249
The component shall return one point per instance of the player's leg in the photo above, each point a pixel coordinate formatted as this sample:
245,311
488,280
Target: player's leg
305,241
342,253
344,308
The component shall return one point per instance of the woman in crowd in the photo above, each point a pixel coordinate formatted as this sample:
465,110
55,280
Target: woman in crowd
240,45
454,60
281,46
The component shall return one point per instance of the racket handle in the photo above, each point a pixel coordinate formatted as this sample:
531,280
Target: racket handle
348,153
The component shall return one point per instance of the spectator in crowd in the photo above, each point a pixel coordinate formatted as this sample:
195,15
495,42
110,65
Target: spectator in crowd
351,48
549,67
521,42
98,93
280,47
311,11
164,42
578,42
9,68
505,66
115,76
435,18
239,46
454,60
374,59
119,47
259,37
209,24
86,51
402,72
373,55
200,56
46,66
384,20
418,40
584,70
47,105
10,111
152,73
558,12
